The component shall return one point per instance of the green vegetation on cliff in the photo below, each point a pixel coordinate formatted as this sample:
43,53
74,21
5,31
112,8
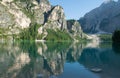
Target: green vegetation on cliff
30,33
58,36
105,37
36,20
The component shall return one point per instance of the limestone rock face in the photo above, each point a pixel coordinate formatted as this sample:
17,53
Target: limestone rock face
74,29
102,19
55,20
5,17
12,19
41,11
72,25
36,10
35,19
57,17
21,13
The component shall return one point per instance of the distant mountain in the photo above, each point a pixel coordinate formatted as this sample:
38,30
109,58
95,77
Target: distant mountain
103,19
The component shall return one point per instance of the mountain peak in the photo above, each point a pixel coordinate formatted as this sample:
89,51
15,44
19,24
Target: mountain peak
104,18
107,1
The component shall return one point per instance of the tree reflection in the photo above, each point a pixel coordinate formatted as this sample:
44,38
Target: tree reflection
116,47
46,59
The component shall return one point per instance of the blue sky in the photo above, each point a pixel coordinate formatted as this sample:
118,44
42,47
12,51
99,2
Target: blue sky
74,9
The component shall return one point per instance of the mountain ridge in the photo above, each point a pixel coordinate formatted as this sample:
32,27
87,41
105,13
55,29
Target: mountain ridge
103,19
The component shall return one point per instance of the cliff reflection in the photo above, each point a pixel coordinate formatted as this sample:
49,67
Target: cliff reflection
103,58
31,60
116,48
47,59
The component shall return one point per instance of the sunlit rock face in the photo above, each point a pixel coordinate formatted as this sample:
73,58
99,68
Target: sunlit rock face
34,9
54,20
7,0
6,23
104,19
36,16
20,19
41,11
74,28
18,15
57,18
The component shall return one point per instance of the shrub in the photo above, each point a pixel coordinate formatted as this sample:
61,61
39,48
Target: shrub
57,36
30,33
105,37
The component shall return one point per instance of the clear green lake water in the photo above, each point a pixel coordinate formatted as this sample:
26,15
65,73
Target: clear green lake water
59,60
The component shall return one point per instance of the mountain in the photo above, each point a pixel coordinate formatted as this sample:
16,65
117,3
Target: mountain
103,19
33,20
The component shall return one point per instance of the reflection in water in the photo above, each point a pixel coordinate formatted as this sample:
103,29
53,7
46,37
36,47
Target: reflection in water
58,60
116,47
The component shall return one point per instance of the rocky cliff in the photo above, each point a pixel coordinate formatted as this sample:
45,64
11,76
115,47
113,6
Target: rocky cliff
104,19
74,28
33,20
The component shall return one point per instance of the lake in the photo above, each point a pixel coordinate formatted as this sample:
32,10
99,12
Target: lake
59,60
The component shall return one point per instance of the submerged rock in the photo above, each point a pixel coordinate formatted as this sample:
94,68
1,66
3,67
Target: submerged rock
96,70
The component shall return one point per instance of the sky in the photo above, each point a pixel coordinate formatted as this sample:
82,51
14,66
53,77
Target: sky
74,9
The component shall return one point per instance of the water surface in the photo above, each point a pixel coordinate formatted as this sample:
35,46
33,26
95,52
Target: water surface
59,60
